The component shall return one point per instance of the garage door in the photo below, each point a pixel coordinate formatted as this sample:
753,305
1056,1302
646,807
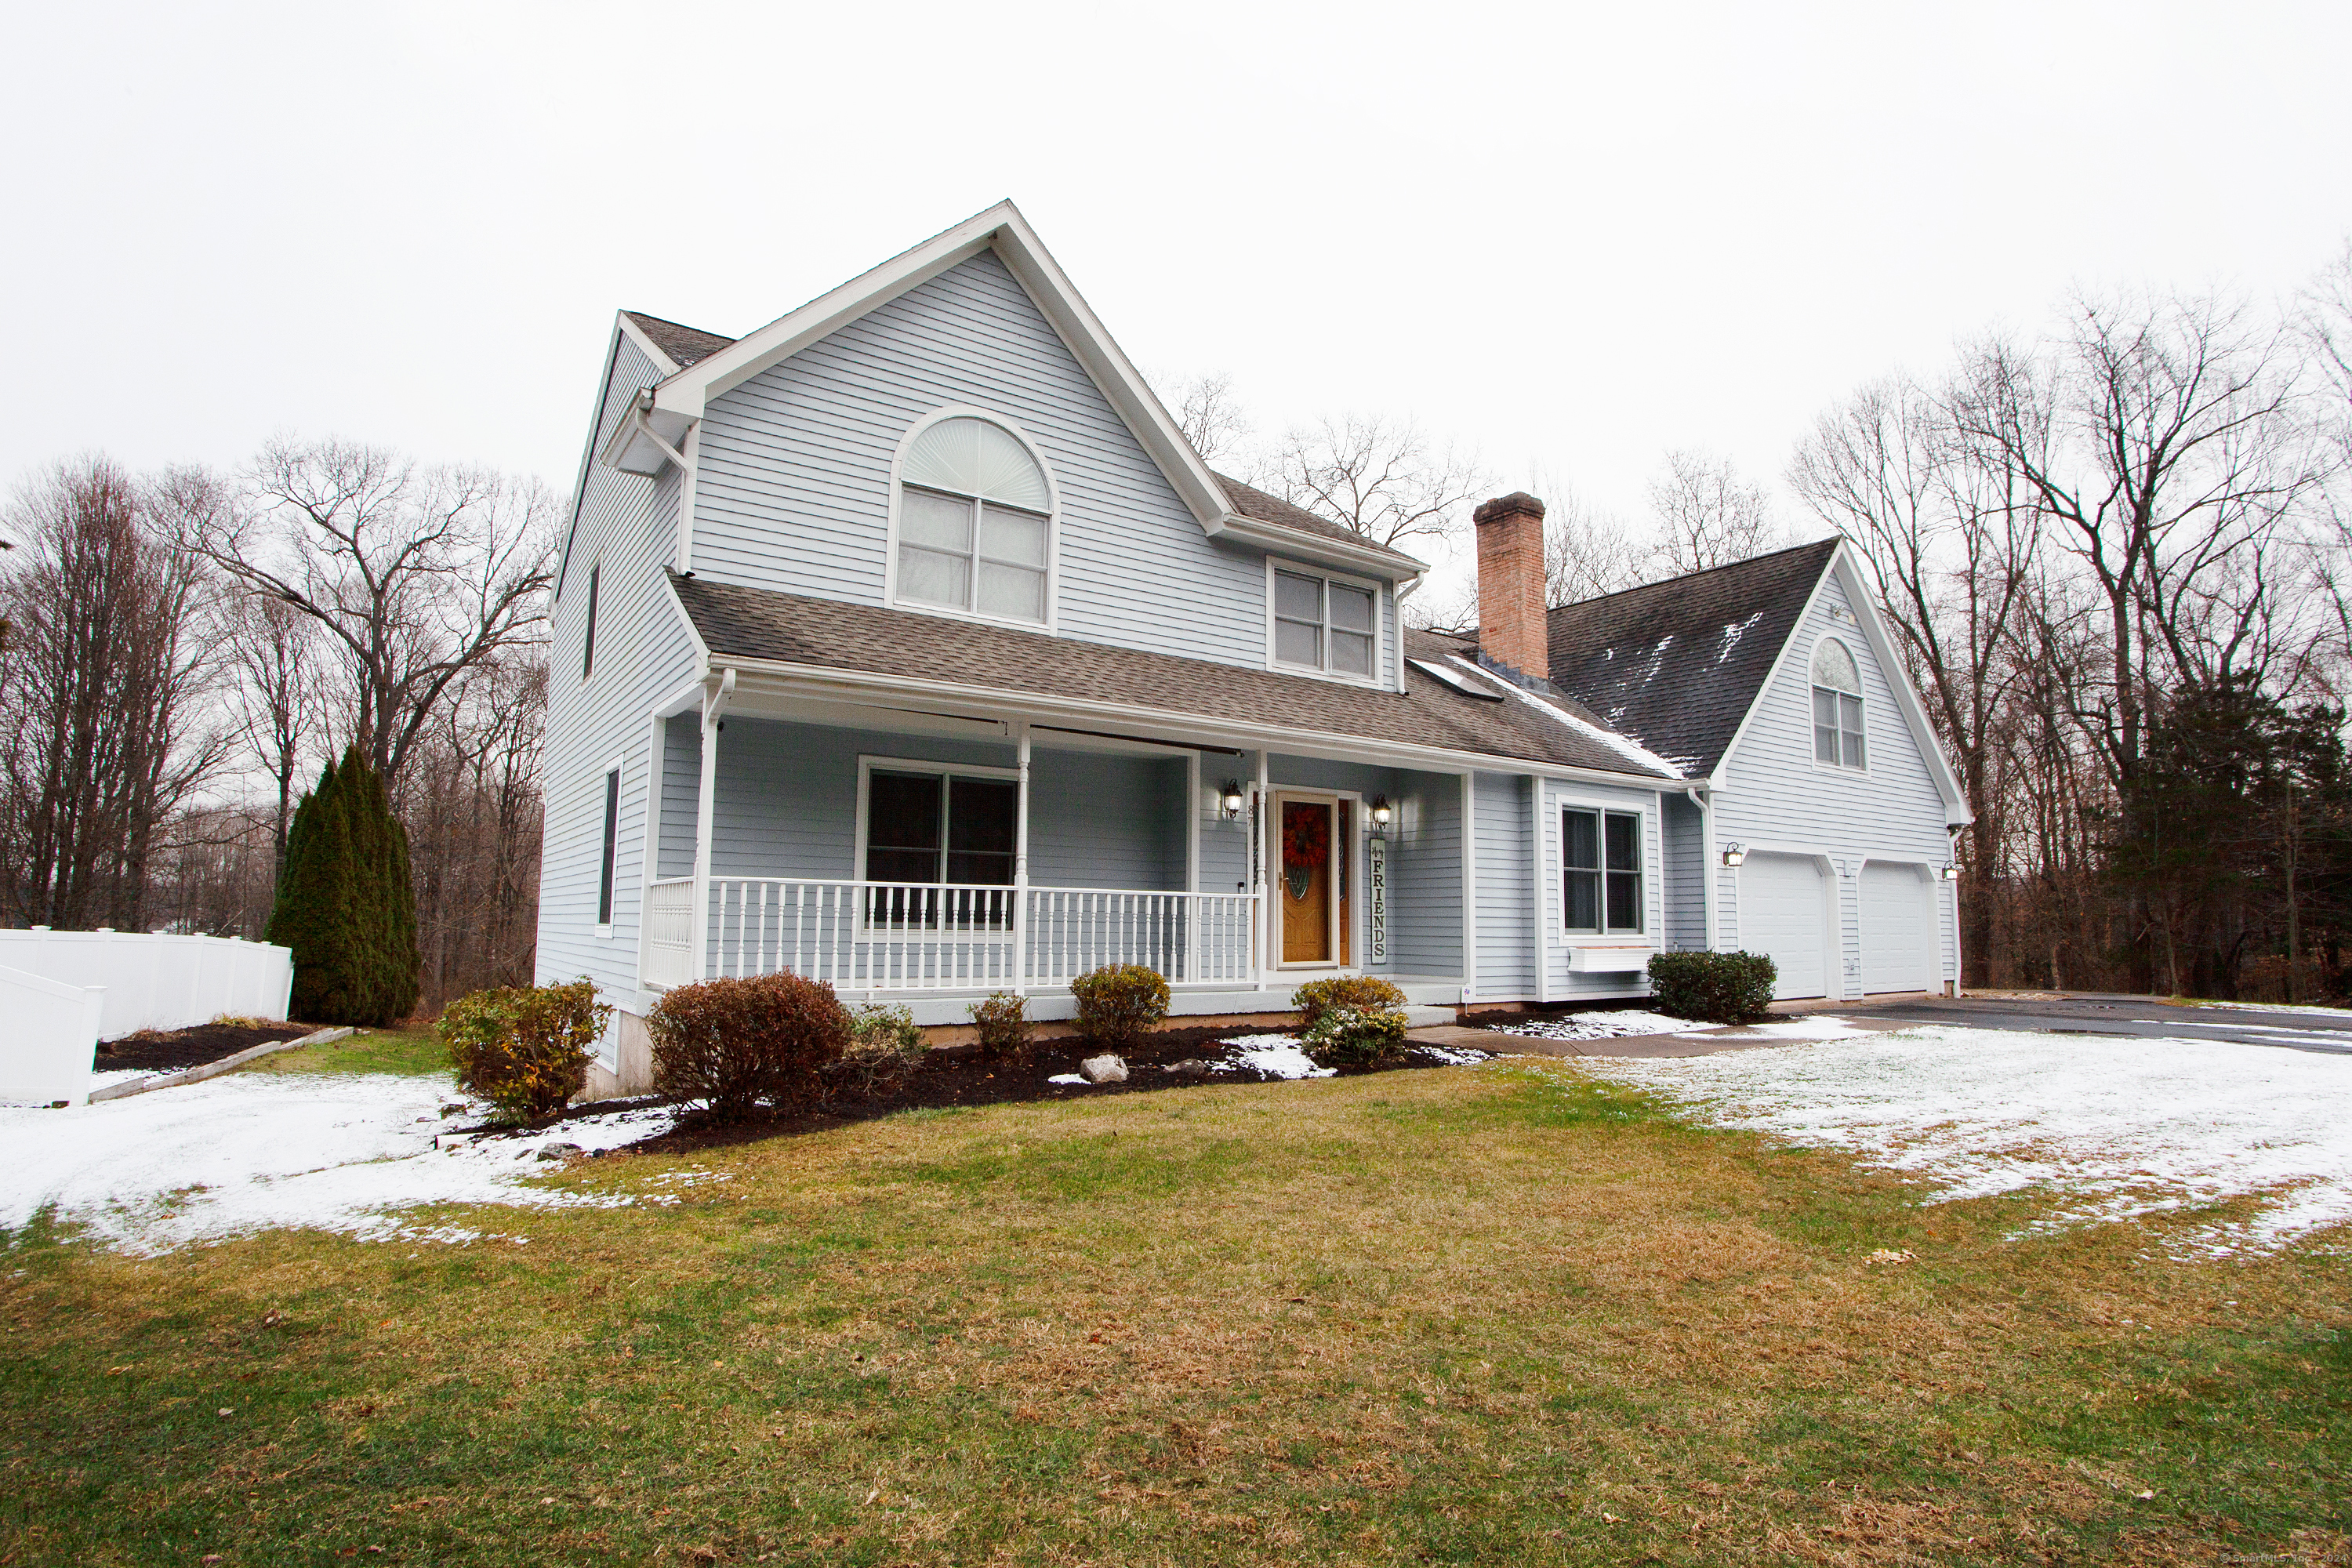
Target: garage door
1898,930
1781,912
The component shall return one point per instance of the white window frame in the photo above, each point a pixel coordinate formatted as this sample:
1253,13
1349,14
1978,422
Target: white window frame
1376,677
610,780
1604,931
1813,740
588,631
1050,624
867,768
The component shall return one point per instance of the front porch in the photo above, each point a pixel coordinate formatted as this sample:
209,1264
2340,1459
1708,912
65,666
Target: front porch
932,862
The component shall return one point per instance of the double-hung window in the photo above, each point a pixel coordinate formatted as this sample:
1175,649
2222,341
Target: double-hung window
953,830
975,523
1837,707
1322,623
1600,871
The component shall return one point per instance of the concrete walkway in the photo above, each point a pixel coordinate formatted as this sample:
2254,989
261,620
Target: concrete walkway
1698,1040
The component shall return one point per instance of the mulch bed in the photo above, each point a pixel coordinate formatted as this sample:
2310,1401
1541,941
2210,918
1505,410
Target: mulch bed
954,1076
171,1050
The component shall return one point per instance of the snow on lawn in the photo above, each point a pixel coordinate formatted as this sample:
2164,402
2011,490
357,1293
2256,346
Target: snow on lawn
1604,1026
1277,1056
2118,1127
248,1152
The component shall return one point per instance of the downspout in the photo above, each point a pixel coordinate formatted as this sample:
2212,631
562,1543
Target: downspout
1701,796
1397,596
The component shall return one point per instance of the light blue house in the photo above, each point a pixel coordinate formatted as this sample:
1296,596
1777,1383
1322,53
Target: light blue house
907,644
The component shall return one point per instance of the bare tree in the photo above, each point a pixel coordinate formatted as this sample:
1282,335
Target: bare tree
280,698
1586,552
1706,515
1382,478
414,574
2164,440
101,704
1210,415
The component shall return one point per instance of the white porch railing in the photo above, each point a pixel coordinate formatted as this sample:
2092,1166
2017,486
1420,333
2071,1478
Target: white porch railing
670,931
899,936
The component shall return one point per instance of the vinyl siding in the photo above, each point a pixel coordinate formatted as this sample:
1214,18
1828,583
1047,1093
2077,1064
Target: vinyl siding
1683,849
1425,876
1774,796
794,487
627,525
1505,866
787,796
681,795
1561,983
1102,821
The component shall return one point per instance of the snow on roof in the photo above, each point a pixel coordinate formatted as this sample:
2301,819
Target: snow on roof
1607,737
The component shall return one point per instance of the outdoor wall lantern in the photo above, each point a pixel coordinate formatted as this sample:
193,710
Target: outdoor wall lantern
1230,803
1733,854
1952,873
1383,814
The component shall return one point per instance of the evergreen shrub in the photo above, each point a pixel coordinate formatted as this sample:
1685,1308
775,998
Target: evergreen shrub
884,1045
345,904
1348,1035
1713,988
1119,1001
734,1043
524,1048
1001,1019
1358,991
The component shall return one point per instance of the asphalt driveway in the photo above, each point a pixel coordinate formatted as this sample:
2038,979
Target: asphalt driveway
2108,1014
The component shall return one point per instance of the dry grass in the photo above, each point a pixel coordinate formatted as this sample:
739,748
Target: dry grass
1502,1314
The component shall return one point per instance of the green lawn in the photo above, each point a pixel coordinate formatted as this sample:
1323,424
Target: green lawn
1501,1314
406,1049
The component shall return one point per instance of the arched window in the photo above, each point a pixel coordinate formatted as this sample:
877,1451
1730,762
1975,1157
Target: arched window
1837,706
975,522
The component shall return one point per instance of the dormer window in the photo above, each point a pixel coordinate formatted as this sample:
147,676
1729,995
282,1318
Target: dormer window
975,523
1323,623
1837,707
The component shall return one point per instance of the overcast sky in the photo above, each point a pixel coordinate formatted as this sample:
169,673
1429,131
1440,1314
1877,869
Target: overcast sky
1575,235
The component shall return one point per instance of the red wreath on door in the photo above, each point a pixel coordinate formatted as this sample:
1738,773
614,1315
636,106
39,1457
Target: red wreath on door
1306,844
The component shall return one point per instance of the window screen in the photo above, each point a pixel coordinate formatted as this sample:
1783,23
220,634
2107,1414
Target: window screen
1600,871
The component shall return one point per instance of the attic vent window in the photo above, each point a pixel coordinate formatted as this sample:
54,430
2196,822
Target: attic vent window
1837,707
974,522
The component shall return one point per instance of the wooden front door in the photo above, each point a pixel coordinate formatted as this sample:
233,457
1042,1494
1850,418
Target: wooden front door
1306,855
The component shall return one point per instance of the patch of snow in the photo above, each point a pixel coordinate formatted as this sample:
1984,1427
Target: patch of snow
2117,1127
251,1151
113,1076
1807,1027
1454,1055
1609,738
2341,1015
1079,1079
1733,632
1607,1026
1277,1056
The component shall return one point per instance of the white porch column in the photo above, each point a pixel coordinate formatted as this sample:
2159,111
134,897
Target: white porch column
1261,806
1469,888
714,711
1192,865
1020,864
1542,927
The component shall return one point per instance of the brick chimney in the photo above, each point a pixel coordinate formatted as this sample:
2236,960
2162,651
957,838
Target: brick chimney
1511,583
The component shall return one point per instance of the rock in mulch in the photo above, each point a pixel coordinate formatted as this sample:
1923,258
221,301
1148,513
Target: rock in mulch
1103,1070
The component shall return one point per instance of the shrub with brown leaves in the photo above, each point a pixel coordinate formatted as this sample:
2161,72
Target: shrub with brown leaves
733,1044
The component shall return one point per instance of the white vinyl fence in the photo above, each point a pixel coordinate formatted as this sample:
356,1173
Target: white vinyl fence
61,991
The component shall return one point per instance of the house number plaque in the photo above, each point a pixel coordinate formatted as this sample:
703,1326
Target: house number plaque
1376,889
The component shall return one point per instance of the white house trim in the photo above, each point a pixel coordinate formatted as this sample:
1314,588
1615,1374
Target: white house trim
1017,774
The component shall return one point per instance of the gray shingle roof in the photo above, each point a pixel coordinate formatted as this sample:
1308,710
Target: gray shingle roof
760,623
1677,664
1259,507
684,344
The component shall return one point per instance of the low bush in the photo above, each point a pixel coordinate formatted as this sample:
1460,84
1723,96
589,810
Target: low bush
1001,1019
884,1045
734,1043
524,1048
1119,1001
1363,992
1345,1035
1714,987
